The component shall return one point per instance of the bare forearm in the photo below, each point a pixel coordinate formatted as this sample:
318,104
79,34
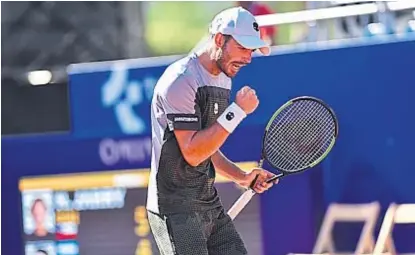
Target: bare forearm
203,144
227,168
197,146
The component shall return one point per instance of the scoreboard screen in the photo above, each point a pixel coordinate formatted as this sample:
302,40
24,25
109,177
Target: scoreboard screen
104,213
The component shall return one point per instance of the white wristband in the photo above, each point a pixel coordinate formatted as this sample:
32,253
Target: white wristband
231,117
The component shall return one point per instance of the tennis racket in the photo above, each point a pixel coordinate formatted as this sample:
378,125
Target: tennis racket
298,136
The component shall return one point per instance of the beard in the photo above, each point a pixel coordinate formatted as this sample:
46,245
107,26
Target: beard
221,61
220,64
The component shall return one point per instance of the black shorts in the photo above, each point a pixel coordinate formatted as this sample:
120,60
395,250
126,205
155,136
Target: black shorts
197,233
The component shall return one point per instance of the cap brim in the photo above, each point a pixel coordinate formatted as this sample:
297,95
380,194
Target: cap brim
253,43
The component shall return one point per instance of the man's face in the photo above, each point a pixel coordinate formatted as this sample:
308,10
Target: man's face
233,57
39,213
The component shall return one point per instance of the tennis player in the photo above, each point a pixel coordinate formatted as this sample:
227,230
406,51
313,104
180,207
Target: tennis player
191,119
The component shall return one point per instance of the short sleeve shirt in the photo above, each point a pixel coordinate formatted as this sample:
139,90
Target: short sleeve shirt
186,97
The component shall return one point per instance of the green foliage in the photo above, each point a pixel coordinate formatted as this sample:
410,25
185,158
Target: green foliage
176,27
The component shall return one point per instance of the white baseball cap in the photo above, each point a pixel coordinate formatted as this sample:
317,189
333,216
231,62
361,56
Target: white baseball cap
242,26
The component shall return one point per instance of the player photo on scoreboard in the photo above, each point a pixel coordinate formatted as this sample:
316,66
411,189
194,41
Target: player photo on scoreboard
40,248
38,215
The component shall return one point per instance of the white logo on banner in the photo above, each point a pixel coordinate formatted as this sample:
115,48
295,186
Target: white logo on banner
123,94
112,152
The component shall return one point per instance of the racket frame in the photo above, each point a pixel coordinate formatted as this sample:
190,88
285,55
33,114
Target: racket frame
264,155
249,193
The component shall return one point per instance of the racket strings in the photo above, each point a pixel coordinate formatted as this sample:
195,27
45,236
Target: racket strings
322,122
305,142
309,144
320,147
283,119
275,128
299,135
273,143
292,160
323,138
294,139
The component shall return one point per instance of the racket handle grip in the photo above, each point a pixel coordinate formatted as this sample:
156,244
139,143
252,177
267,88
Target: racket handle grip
241,203
274,178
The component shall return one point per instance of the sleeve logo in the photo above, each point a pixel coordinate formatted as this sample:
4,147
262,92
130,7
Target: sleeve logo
186,119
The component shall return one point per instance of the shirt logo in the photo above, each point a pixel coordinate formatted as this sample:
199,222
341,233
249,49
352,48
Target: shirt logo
170,125
215,108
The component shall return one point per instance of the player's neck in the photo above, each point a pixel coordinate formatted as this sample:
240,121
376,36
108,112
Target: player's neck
209,64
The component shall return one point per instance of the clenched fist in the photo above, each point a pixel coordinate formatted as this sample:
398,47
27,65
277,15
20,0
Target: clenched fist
246,99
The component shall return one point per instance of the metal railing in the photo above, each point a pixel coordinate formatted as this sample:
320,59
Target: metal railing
332,12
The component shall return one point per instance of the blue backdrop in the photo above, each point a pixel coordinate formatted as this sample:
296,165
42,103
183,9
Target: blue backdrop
369,85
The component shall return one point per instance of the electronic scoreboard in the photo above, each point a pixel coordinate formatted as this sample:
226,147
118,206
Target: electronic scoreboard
104,213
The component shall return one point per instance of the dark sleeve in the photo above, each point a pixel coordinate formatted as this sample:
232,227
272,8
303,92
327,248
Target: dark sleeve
180,105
